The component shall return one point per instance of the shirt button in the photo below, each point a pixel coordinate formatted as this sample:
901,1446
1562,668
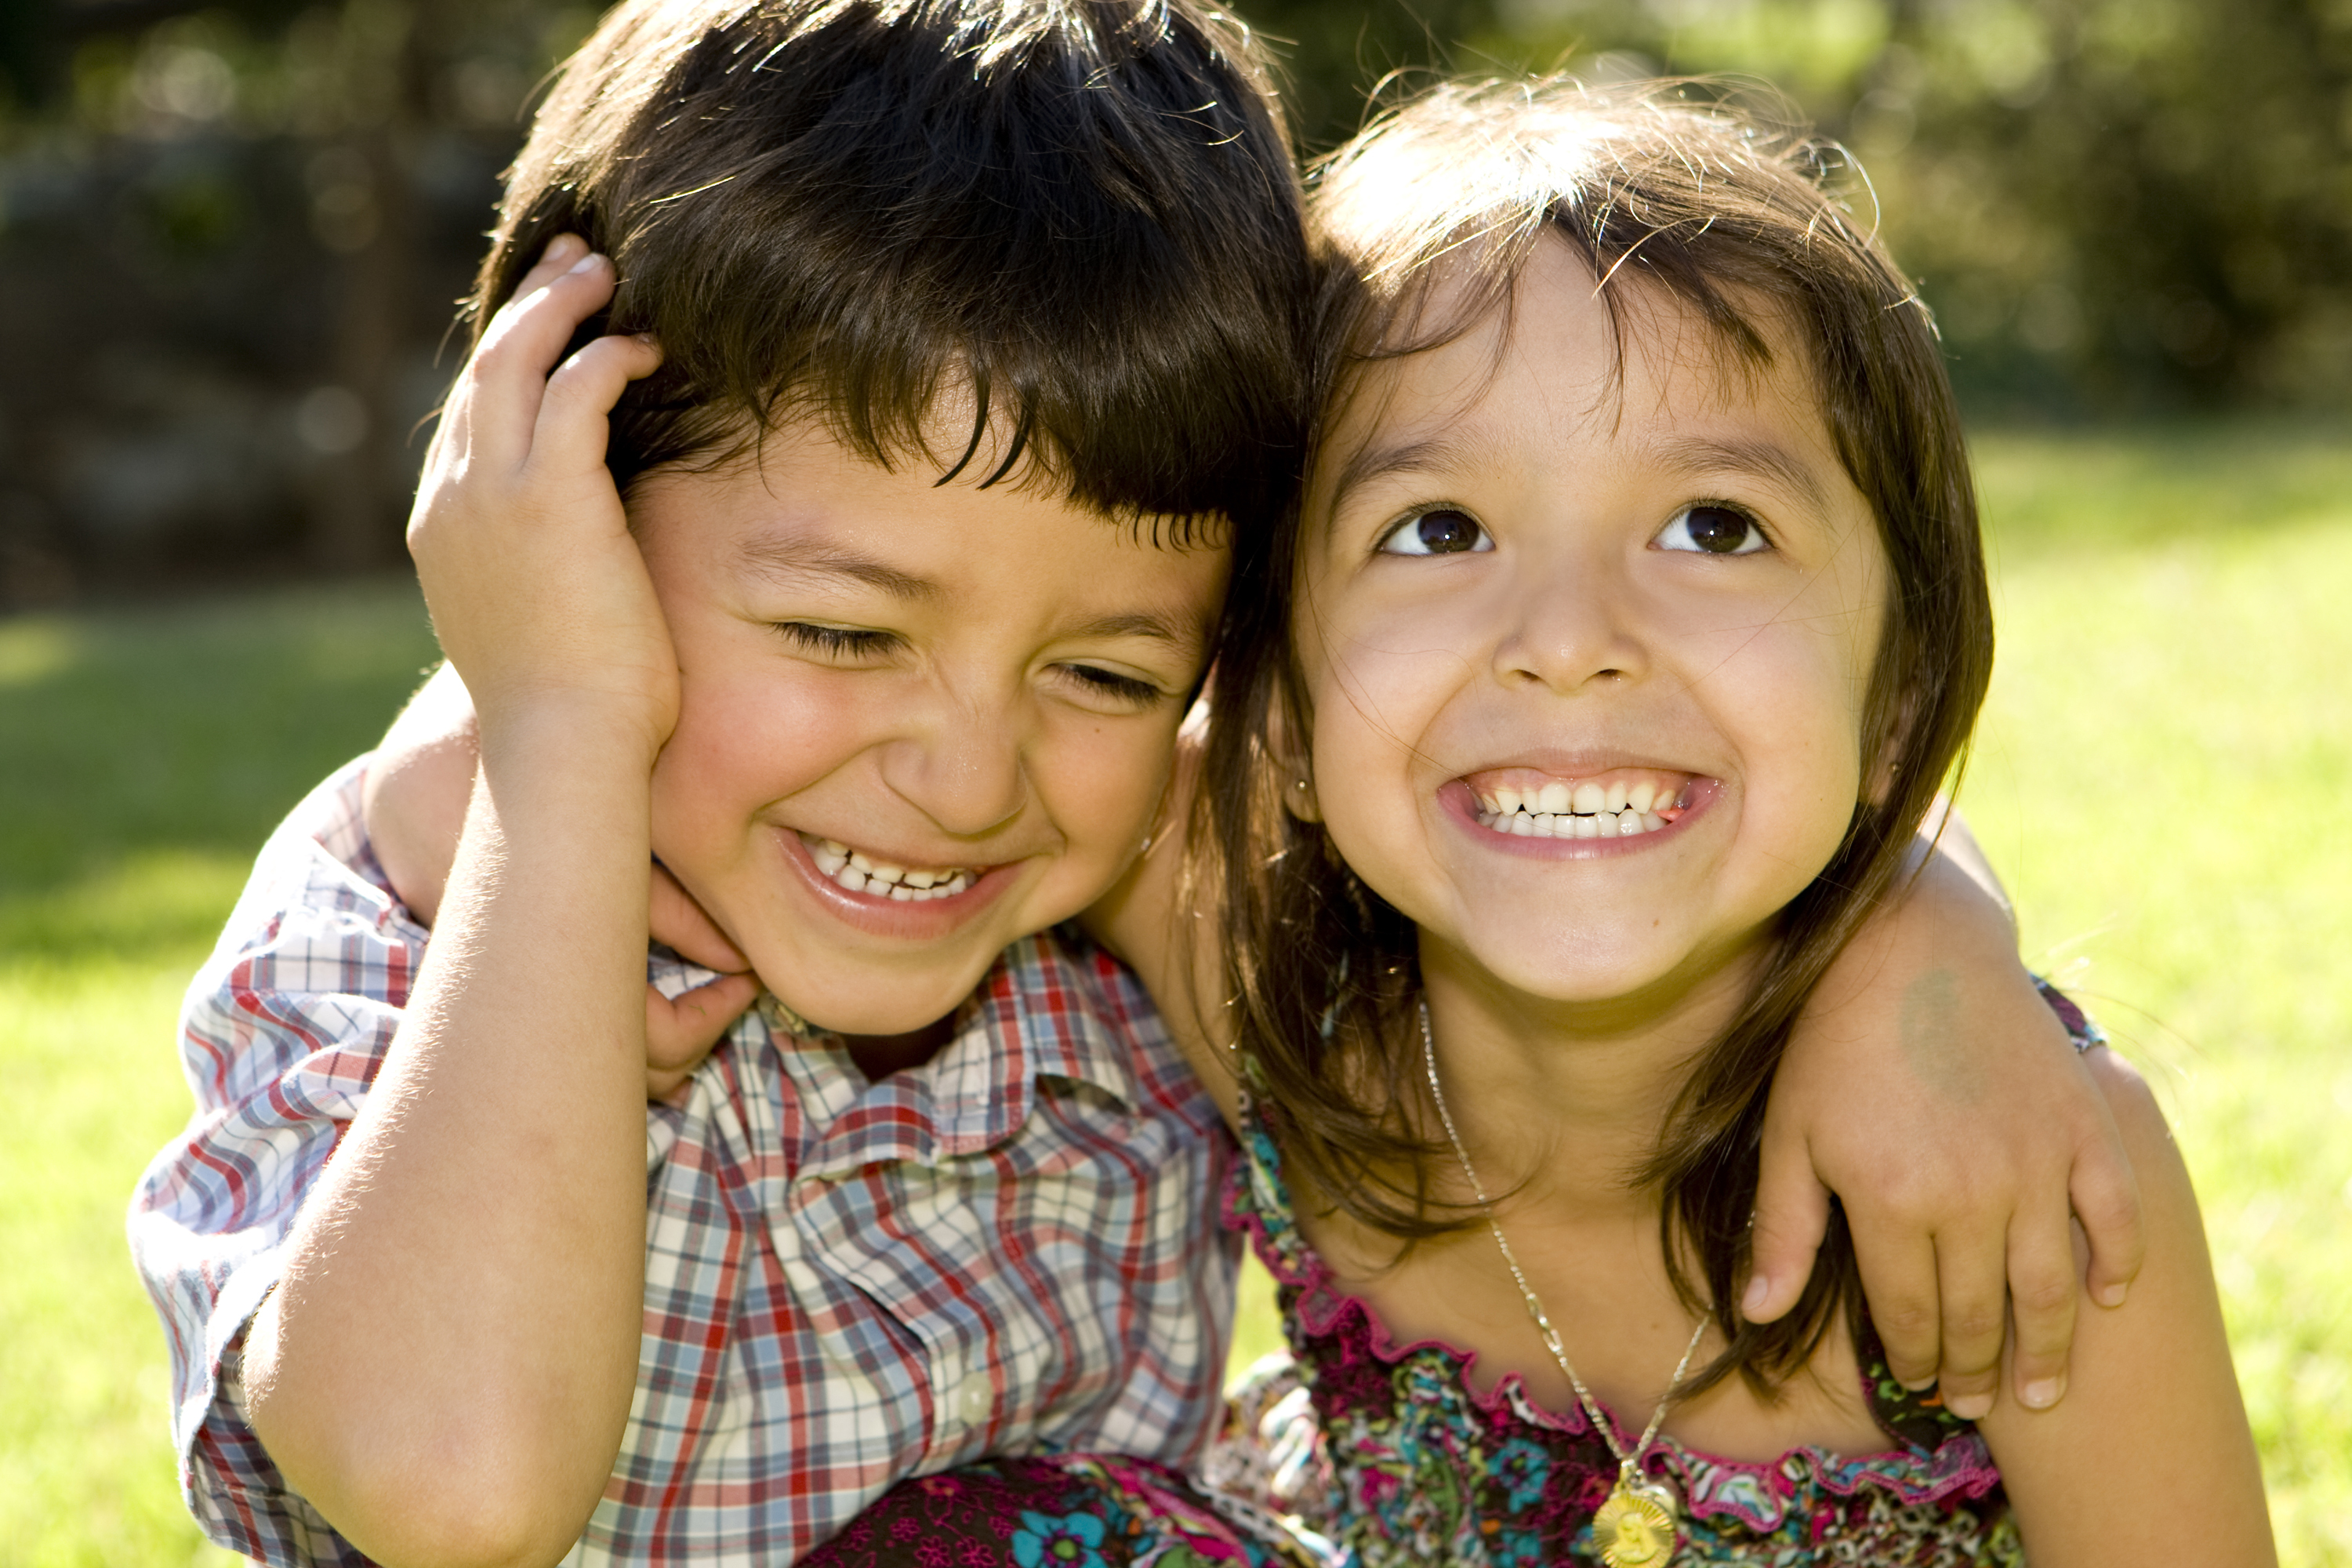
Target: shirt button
975,1398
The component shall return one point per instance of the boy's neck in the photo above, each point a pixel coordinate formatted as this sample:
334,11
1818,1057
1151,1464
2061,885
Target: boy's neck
879,1056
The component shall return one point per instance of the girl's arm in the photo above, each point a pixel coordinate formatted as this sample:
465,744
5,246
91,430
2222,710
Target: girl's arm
2150,1458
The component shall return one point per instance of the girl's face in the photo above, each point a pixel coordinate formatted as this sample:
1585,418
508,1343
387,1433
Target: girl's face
1544,587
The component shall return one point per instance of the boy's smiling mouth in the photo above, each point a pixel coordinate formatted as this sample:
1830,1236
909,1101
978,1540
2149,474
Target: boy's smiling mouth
1621,803
856,872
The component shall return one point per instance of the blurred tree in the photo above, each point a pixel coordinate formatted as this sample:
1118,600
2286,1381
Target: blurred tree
231,231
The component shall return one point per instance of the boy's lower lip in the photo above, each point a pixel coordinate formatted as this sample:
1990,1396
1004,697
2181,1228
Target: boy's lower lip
909,922
1461,805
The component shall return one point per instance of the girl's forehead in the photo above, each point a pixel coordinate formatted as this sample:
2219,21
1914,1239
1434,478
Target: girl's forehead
1562,357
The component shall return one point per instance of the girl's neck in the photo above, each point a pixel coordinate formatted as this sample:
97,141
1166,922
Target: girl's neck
1564,1100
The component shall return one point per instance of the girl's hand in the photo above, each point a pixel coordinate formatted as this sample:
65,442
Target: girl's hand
415,807
538,593
1929,1085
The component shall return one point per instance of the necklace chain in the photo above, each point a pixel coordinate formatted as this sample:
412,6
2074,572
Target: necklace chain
1626,1459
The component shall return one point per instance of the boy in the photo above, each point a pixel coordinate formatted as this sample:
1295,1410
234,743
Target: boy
979,330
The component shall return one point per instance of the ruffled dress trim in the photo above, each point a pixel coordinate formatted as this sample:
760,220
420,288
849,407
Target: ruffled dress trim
1955,1469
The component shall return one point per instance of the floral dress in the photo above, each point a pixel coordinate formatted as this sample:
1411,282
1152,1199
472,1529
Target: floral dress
1385,1449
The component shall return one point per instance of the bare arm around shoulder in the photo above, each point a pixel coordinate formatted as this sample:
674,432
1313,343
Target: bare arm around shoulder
445,1368
2149,1460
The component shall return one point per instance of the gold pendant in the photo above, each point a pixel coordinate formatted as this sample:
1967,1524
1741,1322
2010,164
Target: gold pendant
1636,1528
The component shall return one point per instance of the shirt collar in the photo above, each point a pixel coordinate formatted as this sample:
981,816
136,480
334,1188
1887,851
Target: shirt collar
1040,1012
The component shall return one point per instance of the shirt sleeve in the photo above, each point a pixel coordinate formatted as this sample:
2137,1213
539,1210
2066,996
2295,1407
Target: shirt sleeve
280,1034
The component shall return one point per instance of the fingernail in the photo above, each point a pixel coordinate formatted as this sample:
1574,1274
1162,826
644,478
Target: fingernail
1918,1385
585,262
561,248
2113,1295
2042,1392
1758,1289
1970,1406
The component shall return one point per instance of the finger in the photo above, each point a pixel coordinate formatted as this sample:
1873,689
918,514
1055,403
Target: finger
1898,1278
1792,1214
503,385
572,429
679,924
2042,1294
682,1031
2106,1195
1972,1278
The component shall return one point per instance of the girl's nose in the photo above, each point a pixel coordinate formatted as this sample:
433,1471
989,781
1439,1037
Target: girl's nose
962,768
1570,624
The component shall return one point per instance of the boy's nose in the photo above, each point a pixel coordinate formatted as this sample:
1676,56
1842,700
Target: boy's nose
963,769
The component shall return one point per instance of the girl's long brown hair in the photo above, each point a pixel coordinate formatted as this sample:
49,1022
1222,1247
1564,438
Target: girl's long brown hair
1663,186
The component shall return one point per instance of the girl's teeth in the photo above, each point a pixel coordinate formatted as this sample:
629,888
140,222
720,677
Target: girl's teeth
1640,796
1617,796
1555,800
1590,797
1588,810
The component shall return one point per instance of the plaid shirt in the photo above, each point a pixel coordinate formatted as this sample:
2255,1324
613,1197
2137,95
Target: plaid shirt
1012,1250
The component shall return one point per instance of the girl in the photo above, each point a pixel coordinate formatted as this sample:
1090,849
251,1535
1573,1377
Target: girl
1636,618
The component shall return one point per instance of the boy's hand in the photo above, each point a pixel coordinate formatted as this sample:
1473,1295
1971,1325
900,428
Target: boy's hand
415,807
538,593
1930,1086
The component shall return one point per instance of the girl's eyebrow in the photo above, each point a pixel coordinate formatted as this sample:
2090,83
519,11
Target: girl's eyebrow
1765,459
1446,452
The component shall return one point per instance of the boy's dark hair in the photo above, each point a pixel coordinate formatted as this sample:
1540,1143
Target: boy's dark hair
1436,209
1083,213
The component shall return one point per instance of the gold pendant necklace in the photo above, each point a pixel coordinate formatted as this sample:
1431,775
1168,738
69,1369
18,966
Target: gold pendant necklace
1637,1527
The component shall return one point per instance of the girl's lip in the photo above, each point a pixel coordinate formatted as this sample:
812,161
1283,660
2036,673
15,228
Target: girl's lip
908,921
1461,805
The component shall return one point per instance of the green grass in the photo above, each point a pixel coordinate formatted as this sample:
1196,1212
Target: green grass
2156,778
143,756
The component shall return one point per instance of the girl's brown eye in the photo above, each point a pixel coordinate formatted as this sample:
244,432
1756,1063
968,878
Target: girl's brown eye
1712,530
1440,531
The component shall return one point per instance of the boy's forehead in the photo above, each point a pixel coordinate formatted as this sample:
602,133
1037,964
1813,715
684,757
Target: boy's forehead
801,510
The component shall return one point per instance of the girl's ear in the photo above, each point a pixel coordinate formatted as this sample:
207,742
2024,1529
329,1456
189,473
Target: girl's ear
1283,751
1298,799
1878,779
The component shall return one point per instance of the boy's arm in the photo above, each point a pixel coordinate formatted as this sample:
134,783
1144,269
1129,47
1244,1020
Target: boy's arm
2150,1459
1929,1085
445,1368
418,784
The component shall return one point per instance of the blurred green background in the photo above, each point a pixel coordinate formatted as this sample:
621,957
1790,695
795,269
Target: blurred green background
230,235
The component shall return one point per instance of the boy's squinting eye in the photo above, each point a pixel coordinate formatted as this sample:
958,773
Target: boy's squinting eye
842,642
1713,530
1124,689
1440,531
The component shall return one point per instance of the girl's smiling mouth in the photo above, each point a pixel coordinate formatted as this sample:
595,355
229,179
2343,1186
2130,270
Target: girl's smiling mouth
1614,804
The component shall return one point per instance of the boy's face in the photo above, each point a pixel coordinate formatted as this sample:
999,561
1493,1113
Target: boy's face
975,691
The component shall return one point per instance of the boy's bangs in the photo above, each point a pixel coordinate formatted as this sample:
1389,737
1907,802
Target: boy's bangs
1071,227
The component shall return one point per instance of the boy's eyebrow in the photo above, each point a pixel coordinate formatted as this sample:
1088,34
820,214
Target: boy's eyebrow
1704,455
1138,624
785,560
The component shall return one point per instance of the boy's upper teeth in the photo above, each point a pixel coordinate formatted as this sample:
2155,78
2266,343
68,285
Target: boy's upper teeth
862,873
1616,805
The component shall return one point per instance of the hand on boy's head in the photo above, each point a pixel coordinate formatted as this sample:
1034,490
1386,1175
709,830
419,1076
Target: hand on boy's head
538,593
1932,1087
